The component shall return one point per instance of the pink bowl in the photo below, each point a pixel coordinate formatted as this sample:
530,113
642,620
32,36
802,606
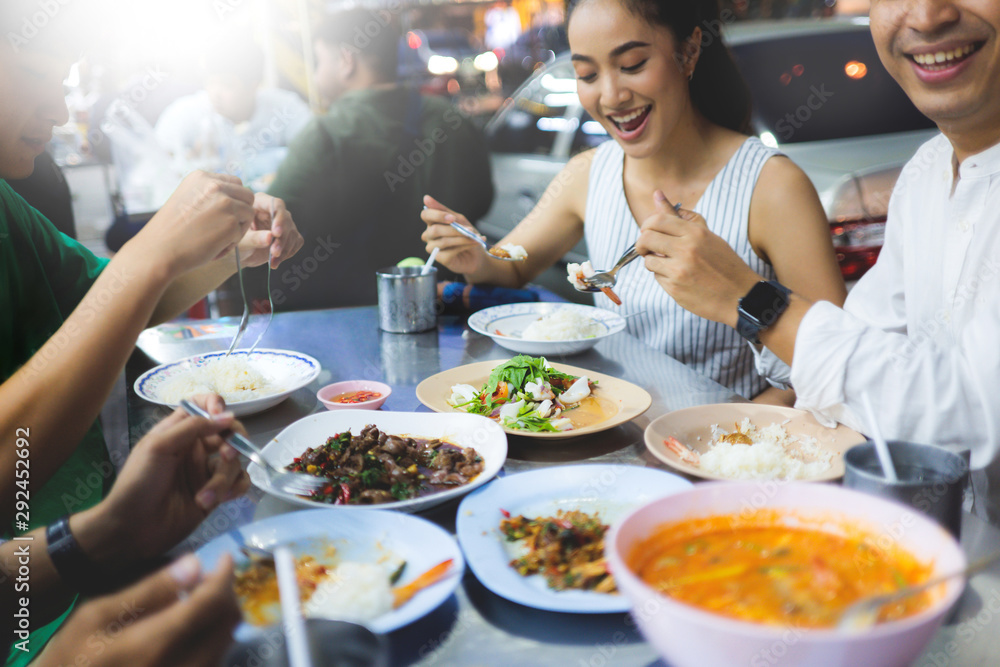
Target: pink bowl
689,637
329,391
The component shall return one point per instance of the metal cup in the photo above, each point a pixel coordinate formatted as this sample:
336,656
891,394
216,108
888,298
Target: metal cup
330,643
931,479
406,299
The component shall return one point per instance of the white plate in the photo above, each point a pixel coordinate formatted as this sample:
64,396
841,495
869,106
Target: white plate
464,430
365,537
611,490
693,428
504,325
285,368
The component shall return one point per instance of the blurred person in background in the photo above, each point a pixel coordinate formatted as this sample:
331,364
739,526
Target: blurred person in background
918,333
678,111
354,178
234,125
70,319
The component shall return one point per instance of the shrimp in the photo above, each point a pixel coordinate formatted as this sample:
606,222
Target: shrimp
683,452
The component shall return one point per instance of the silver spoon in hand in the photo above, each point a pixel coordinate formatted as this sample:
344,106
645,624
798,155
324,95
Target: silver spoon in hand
603,280
495,252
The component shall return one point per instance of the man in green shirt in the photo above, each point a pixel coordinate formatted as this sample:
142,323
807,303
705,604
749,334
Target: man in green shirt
355,177
68,320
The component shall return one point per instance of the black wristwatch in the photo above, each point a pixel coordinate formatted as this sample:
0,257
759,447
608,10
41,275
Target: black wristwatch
74,566
760,308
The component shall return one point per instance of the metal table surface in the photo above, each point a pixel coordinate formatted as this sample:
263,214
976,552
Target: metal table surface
476,627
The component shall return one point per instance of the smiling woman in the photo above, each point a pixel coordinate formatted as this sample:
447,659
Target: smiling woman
659,80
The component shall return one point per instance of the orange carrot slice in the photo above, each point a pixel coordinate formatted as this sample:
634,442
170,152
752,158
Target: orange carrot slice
402,594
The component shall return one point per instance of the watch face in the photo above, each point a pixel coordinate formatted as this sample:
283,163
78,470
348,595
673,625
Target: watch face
764,303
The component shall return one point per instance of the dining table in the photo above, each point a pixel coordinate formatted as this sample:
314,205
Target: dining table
476,627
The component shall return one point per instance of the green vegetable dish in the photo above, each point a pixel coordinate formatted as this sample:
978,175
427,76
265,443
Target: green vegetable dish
526,394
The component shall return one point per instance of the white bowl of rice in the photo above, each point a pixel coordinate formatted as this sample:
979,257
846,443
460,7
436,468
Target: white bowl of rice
546,328
248,384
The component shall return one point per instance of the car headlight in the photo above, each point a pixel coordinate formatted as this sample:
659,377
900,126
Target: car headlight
442,65
486,62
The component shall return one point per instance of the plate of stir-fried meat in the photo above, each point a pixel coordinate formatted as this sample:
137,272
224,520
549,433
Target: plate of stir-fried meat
537,537
394,460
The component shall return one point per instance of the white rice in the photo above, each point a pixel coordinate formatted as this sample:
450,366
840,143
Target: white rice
515,251
563,324
357,592
774,454
231,377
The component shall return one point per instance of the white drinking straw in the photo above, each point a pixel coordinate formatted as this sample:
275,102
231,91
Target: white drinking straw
291,609
430,260
881,446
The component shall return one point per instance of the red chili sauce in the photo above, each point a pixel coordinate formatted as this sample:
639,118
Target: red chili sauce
362,396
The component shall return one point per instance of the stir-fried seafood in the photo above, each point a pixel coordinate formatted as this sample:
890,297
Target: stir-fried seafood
525,393
568,549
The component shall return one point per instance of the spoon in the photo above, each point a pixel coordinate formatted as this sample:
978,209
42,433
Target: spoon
296,483
603,280
465,231
864,613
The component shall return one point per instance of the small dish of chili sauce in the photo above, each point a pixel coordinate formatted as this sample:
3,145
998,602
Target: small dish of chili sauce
354,395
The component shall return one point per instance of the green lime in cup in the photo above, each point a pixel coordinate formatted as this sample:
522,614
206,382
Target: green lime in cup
410,261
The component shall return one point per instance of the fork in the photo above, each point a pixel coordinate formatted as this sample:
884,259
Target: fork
606,279
296,483
270,299
465,231
246,307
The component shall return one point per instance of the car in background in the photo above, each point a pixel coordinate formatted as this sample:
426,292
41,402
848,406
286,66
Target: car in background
445,62
535,48
820,95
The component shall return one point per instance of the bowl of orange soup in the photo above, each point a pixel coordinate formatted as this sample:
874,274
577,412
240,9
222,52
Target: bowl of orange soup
751,573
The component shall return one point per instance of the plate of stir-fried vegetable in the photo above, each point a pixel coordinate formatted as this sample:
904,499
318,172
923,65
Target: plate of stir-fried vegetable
530,396
537,538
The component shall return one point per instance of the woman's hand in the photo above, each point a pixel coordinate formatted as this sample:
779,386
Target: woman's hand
458,253
698,268
172,617
277,240
203,220
178,473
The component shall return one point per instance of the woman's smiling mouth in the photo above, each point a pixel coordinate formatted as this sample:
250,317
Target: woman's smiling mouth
631,122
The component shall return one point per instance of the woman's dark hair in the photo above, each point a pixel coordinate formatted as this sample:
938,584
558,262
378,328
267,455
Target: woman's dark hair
718,90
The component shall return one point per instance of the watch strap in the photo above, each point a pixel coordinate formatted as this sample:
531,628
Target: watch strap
73,565
750,325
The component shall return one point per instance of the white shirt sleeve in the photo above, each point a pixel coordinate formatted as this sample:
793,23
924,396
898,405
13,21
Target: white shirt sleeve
922,389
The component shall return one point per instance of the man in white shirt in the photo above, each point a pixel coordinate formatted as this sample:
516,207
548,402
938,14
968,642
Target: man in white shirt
233,125
920,333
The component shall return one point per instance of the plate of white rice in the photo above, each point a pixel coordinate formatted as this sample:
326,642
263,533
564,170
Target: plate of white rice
248,383
773,443
546,328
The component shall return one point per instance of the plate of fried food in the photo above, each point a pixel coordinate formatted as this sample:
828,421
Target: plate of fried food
537,537
727,441
382,569
406,461
531,397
